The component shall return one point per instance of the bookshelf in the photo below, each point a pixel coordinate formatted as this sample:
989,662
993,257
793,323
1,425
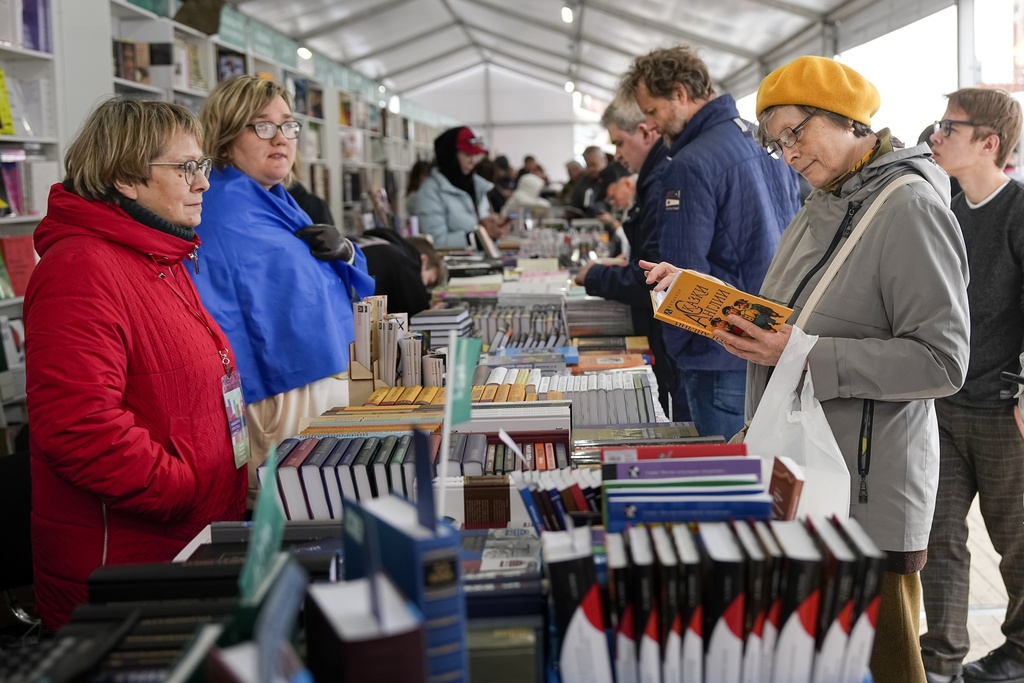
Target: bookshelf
29,156
370,148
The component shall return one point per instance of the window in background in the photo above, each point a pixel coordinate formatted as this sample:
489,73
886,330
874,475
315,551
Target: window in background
913,95
999,48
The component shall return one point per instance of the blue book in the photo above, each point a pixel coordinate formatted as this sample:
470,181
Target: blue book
624,511
424,563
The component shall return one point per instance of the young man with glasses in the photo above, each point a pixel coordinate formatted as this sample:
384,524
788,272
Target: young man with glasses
724,205
981,452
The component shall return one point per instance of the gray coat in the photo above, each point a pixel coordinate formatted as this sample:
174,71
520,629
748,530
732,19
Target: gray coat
893,327
446,213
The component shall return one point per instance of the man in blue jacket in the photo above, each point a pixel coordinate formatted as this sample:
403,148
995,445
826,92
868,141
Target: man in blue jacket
724,204
641,151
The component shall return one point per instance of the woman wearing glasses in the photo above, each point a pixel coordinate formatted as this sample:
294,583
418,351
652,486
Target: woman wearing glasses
281,289
131,444
892,326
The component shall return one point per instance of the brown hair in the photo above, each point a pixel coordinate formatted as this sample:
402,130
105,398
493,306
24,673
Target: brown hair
660,71
119,139
230,107
434,260
996,112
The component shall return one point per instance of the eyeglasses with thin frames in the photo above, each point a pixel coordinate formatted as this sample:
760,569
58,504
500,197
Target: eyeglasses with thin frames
267,130
191,168
787,138
945,126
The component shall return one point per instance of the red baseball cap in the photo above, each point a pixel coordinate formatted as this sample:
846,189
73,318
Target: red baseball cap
466,141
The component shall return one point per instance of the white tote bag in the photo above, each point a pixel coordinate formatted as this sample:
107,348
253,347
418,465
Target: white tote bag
790,421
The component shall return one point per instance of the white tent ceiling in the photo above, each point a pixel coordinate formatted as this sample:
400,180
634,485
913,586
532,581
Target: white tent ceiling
409,44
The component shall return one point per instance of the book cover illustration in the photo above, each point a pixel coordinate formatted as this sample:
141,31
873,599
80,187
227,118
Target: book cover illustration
699,303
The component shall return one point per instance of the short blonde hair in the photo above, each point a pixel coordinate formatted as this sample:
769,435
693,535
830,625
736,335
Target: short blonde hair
119,139
230,107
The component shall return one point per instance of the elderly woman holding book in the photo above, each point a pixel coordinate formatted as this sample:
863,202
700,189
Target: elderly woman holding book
892,325
127,373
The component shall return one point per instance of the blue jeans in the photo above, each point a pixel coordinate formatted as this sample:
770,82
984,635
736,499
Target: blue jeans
716,400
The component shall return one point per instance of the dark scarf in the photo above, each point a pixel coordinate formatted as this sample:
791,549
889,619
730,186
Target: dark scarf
448,163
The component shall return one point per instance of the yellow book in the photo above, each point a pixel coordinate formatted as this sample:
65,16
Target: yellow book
427,395
476,394
409,395
391,398
531,396
522,376
501,396
489,391
517,393
6,117
699,303
438,399
554,395
376,397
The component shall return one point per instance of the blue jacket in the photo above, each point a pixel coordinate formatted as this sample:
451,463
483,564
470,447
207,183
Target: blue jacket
725,204
446,213
627,283
288,316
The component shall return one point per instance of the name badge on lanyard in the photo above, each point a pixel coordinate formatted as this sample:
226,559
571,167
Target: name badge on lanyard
234,407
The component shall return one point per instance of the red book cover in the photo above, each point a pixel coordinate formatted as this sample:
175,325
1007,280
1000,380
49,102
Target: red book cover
20,257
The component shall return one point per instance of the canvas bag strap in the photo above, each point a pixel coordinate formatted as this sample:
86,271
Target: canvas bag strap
851,242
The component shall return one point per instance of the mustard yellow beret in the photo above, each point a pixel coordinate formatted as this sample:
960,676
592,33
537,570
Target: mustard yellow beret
823,83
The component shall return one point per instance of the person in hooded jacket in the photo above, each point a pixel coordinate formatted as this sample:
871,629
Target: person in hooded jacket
132,451
452,201
893,326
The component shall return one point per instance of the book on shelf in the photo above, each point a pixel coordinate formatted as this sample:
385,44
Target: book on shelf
724,601
646,603
699,303
866,598
578,611
795,617
839,571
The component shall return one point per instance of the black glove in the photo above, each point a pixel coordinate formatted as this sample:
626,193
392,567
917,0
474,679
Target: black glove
327,243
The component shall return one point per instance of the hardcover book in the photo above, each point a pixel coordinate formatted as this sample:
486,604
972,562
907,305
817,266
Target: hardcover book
350,639
423,562
699,303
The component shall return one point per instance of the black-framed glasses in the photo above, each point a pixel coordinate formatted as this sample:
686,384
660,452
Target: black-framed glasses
945,126
267,130
787,138
190,168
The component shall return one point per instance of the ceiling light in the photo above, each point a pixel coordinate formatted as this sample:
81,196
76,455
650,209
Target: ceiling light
305,53
569,86
382,89
567,14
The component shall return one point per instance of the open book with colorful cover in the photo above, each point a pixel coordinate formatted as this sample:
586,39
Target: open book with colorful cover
699,303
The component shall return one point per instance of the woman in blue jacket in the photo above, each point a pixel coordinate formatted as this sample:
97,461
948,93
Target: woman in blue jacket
452,201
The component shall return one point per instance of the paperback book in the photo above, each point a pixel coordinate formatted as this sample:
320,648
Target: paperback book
700,303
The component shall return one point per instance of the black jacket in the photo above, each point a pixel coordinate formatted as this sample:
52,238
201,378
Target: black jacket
395,265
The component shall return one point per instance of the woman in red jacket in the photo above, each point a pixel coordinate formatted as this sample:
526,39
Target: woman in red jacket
133,450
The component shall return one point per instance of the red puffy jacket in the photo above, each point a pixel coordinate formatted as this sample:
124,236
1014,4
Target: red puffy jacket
131,454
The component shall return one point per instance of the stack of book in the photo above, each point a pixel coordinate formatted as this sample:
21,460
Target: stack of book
683,483
595,317
438,323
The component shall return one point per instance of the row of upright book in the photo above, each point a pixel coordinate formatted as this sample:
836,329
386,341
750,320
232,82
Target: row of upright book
719,602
